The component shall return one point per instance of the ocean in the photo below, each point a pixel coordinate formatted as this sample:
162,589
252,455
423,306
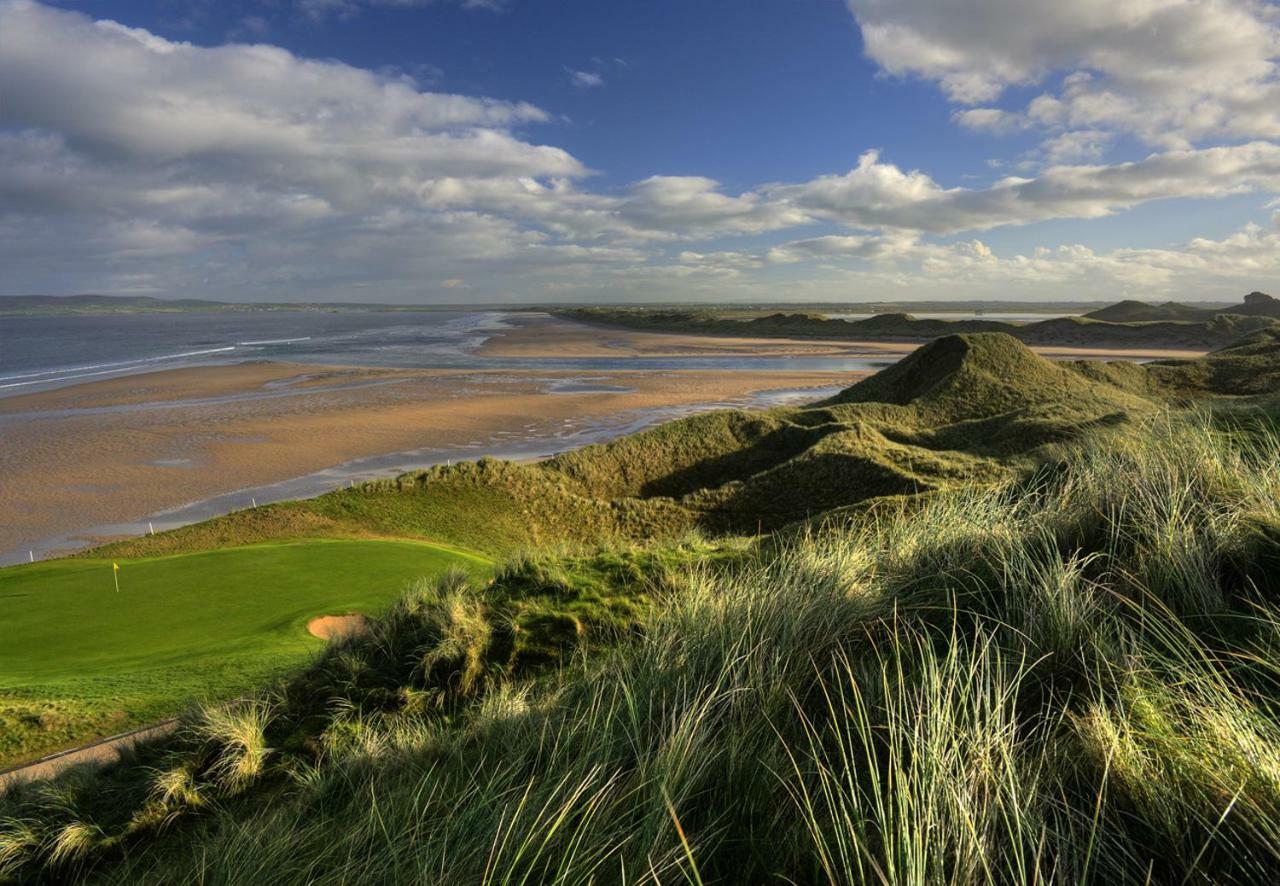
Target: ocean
40,353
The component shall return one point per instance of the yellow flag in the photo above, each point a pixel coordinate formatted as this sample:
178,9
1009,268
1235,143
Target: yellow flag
115,566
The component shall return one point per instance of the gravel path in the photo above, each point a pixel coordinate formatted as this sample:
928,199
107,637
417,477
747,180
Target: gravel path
103,751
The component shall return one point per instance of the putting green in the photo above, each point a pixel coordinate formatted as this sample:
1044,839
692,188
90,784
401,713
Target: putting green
79,658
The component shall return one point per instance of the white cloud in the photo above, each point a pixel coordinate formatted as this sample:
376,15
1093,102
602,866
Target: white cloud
990,120
695,205
880,195
120,93
1172,71
873,266
1201,268
876,247
110,128
585,79
1076,146
133,162
723,264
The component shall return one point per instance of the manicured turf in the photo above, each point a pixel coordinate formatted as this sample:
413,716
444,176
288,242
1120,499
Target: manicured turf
79,659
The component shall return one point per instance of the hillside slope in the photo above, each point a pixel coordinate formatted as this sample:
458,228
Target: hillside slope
1255,304
1249,367
972,408
1067,679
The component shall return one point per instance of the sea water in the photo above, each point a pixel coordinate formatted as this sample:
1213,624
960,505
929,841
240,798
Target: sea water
40,353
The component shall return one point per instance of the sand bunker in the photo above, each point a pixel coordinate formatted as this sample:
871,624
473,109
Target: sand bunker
336,627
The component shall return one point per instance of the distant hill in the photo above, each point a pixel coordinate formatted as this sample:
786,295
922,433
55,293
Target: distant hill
1256,304
84,304
1165,326
1130,311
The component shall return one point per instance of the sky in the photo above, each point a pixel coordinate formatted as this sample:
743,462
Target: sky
503,151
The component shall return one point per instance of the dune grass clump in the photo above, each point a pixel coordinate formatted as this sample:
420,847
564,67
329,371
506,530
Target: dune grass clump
1069,678
453,649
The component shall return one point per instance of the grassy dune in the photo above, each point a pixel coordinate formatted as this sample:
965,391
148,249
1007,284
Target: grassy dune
80,659
1068,678
1021,625
980,410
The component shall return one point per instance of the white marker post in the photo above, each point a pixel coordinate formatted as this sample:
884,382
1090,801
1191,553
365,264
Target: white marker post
255,502
151,529
32,555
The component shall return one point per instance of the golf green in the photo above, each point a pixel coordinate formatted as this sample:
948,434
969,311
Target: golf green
79,657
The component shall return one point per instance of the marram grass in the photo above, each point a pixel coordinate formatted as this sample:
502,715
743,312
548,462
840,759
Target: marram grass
1068,678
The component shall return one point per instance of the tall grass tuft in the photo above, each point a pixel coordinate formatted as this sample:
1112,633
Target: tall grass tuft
236,742
1069,678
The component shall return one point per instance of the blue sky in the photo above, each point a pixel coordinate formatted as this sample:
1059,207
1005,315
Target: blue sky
776,92
529,150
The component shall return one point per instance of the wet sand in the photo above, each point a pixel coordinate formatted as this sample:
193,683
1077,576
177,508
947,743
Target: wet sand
118,450
541,335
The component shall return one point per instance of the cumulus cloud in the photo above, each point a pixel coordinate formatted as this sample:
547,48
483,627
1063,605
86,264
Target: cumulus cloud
130,162
876,194
875,247
1172,71
695,204
1208,268
990,120
107,122
1075,146
125,94
251,152
866,266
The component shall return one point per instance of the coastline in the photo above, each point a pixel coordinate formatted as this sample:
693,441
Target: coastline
93,461
111,452
546,336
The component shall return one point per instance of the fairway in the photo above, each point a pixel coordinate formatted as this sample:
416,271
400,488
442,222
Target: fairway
79,658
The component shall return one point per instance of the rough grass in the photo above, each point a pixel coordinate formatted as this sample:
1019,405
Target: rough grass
445,646
80,660
1029,635
1066,678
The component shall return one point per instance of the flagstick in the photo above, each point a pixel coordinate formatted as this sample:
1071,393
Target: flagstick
115,573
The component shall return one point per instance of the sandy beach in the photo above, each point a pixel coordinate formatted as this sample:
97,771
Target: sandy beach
541,335
121,449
